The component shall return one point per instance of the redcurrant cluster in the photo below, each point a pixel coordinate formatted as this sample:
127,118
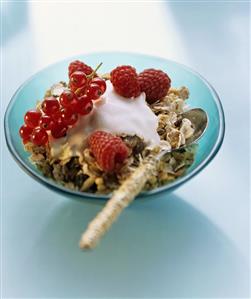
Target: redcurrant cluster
57,114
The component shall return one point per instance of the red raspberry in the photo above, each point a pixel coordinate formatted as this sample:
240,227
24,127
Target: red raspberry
125,82
109,150
155,84
79,66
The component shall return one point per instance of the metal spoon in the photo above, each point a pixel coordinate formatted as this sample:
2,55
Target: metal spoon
199,120
133,185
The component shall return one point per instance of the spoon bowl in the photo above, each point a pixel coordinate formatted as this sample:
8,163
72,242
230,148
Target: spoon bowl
199,120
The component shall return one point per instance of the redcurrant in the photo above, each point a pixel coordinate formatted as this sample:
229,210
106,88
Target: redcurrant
85,105
81,91
59,130
31,118
94,91
68,116
78,79
50,105
57,117
39,136
68,98
46,122
101,83
72,87
25,132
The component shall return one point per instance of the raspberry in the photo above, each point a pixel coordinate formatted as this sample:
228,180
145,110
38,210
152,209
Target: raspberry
125,82
155,84
109,150
79,66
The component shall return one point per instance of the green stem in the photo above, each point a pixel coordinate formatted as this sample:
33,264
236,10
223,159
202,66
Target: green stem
95,71
92,74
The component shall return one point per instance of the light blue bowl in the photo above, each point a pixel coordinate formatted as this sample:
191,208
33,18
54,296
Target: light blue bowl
202,95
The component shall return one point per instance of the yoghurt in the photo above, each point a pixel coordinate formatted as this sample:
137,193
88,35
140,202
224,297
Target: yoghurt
112,113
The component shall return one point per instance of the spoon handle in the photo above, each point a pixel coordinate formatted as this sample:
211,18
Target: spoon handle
120,199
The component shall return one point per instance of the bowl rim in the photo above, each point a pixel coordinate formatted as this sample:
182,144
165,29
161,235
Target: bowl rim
49,183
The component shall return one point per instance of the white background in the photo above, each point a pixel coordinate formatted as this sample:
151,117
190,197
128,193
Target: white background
193,243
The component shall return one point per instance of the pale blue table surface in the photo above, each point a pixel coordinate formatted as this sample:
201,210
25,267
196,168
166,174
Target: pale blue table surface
193,243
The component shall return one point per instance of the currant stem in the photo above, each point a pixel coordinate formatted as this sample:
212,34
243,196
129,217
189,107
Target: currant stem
79,90
92,74
95,71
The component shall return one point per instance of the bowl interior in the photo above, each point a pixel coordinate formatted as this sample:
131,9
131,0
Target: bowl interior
201,95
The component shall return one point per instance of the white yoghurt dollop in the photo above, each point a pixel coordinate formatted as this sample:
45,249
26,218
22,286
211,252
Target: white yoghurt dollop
112,113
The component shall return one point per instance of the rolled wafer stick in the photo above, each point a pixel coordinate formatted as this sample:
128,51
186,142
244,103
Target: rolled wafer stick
120,199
